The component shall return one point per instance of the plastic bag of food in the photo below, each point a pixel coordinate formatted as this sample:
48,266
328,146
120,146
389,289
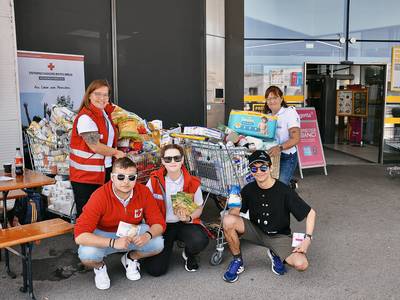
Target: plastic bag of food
128,129
183,202
120,115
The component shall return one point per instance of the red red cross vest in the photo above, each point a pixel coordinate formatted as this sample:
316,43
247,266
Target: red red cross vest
87,166
190,185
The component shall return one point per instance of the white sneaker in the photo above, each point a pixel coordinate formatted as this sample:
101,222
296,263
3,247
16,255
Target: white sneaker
101,278
132,267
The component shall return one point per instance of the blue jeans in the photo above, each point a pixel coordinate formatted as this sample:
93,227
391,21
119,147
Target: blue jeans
287,166
97,254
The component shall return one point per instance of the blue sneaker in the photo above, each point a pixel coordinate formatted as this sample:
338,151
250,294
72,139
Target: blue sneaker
277,265
234,269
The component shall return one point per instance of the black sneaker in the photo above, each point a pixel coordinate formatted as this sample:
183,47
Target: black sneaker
191,264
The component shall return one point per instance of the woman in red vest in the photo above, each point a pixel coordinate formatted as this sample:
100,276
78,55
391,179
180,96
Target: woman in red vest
171,178
93,142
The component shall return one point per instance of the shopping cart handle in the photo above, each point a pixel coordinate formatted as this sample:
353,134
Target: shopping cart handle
189,136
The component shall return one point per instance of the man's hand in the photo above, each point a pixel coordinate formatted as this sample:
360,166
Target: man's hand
122,243
141,240
303,247
274,151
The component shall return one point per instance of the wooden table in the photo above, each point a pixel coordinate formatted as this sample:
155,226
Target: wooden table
30,179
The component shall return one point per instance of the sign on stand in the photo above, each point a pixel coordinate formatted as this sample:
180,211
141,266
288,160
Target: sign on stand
309,150
46,79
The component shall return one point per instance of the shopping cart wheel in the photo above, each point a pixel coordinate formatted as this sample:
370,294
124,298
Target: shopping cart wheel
180,244
216,258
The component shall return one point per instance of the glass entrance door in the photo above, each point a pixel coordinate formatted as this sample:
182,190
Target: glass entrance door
349,100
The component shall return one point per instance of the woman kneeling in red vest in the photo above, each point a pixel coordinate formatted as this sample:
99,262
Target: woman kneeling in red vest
171,178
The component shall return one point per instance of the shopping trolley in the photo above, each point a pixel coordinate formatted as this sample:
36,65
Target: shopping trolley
146,163
218,168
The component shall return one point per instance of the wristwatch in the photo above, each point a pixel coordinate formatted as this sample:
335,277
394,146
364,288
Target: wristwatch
306,235
281,148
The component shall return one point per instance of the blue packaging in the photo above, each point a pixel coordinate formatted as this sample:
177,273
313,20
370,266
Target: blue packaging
234,199
253,123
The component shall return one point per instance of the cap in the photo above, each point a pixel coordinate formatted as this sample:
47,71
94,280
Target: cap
259,156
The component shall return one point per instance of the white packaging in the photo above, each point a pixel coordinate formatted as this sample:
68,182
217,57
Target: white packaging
124,142
297,239
157,124
69,193
256,141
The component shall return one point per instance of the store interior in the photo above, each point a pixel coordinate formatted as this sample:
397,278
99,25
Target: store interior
349,101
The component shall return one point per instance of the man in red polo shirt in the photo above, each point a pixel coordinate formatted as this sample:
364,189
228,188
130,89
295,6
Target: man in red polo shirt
101,229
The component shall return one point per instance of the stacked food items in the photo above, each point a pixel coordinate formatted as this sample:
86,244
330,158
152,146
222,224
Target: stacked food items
139,139
49,141
60,196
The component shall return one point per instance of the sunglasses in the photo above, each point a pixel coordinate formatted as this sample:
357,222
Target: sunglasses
262,168
176,158
122,177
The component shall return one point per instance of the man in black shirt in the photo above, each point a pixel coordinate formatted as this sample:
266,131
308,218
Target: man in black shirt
269,203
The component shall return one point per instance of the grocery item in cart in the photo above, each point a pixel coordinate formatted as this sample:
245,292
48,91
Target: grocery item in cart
48,141
253,123
184,203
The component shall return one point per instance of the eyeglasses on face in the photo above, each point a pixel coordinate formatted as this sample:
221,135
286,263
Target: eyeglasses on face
122,177
101,95
176,158
262,168
273,98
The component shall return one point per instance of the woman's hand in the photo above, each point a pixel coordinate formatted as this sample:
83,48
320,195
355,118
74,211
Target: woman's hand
274,151
180,213
119,154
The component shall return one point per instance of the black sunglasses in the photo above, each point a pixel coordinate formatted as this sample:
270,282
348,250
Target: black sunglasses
262,168
176,158
121,177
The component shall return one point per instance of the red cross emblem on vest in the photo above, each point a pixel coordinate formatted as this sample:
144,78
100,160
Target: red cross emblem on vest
51,66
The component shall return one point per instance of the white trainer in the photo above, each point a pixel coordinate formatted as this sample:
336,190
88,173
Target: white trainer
101,278
132,267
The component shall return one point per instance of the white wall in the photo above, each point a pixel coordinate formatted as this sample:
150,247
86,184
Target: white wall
10,125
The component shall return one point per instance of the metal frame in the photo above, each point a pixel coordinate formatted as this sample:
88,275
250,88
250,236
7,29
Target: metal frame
26,257
114,49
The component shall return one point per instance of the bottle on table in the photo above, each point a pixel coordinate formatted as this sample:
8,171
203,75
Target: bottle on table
19,162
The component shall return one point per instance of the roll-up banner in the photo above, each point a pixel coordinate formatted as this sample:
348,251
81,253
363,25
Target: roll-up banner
46,79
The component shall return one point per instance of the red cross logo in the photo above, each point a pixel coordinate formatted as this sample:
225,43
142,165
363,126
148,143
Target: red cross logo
51,66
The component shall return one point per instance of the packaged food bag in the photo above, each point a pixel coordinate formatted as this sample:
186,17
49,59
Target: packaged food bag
253,123
183,202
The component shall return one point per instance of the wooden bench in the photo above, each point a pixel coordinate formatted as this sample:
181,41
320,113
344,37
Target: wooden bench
25,235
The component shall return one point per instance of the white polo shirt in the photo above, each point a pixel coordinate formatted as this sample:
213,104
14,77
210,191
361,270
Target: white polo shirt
171,188
287,118
86,124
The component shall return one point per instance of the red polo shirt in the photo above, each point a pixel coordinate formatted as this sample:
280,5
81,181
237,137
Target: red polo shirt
104,211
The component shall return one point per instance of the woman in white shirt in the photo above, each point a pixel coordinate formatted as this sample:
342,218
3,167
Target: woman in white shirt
287,132
93,143
170,179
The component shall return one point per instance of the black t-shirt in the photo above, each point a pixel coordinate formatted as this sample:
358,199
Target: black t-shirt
270,209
